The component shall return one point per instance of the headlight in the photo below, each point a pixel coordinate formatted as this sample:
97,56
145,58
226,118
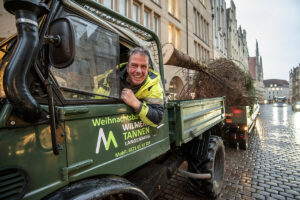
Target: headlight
297,106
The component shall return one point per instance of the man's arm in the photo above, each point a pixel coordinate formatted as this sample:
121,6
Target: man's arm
151,109
151,114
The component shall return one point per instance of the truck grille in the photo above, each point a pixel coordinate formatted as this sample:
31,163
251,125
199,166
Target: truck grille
13,183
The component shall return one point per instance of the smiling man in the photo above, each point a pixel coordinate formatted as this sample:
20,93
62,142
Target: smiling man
141,88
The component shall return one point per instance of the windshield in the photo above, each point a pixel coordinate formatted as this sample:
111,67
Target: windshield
93,74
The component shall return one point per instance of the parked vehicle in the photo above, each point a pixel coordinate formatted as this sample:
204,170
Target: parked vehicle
240,121
280,101
60,140
296,106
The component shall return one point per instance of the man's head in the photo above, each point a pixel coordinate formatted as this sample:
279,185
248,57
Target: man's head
138,66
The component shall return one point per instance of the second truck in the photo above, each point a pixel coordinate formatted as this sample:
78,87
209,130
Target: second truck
61,140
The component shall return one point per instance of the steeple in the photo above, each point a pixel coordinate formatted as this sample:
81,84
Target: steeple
257,51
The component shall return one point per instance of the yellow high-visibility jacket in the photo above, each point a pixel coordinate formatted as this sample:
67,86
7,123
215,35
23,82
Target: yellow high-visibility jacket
104,87
151,94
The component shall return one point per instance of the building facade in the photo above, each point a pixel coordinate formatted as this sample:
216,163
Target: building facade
256,72
219,26
202,29
185,24
275,88
237,48
295,81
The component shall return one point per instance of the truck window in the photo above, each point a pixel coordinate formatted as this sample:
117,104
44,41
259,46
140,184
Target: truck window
94,71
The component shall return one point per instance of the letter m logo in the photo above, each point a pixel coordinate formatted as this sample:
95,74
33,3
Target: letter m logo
101,137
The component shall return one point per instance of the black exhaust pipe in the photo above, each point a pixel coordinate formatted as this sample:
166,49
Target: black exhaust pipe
14,80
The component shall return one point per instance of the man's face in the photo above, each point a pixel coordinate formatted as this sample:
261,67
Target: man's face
137,69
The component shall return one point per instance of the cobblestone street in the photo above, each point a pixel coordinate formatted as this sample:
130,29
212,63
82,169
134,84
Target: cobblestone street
269,169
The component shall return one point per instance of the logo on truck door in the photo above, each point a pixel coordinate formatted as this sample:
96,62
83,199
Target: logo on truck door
132,134
101,137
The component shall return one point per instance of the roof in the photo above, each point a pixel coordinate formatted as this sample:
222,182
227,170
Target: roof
278,82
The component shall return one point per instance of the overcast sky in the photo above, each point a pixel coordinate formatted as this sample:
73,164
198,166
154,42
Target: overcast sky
275,24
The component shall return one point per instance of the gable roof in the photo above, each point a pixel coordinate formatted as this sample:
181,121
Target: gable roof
278,82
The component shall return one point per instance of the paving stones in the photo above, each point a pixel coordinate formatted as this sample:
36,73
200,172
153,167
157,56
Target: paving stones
269,169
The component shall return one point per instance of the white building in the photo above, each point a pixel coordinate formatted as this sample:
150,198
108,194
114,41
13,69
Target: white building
275,88
219,28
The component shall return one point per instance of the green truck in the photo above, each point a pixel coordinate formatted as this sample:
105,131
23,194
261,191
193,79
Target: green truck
61,140
240,121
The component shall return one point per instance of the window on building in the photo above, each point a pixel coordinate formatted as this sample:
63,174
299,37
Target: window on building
123,7
207,33
196,50
200,52
136,12
218,19
170,31
156,1
177,37
173,7
201,31
156,24
146,18
195,21
222,18
108,3
174,35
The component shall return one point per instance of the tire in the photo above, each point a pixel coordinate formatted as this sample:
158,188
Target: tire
214,165
243,141
106,188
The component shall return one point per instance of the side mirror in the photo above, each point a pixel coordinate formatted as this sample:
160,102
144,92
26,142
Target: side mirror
61,43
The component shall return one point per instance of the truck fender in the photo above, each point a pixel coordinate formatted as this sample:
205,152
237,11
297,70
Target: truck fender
98,188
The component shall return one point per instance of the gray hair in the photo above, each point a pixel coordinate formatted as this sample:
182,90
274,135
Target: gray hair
141,51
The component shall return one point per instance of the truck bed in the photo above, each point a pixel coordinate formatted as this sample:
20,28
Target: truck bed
241,115
190,118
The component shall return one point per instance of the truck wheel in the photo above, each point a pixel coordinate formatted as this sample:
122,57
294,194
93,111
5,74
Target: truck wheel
233,140
106,188
214,165
243,141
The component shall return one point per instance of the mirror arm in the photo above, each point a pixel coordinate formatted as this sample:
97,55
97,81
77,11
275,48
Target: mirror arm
53,39
55,146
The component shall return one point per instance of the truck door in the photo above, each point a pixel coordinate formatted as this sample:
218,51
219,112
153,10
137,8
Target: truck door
103,135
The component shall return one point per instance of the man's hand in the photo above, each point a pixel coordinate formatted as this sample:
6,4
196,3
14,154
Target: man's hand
129,98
